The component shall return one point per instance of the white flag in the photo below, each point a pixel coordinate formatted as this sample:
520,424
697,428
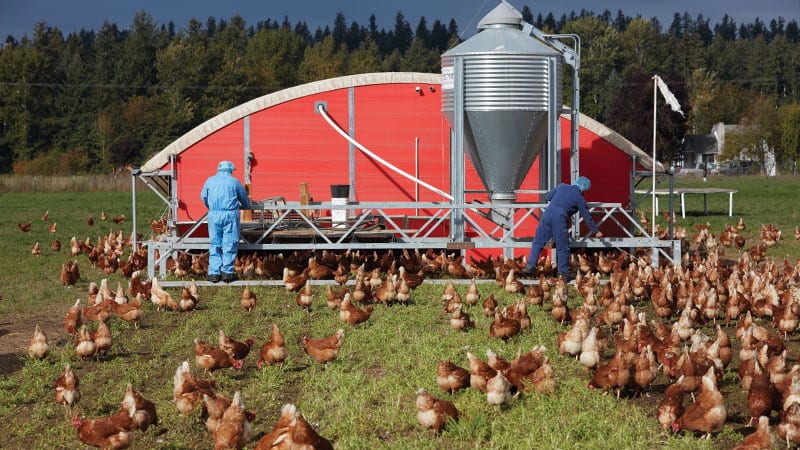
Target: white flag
668,95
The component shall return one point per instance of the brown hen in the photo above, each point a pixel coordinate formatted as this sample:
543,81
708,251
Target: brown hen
67,388
110,432
323,350
188,390
273,351
236,349
450,377
38,346
211,358
707,414
144,411
351,314
612,376
234,430
292,431
434,413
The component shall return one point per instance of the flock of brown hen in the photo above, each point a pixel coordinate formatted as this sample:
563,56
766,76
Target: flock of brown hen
226,419
609,333
755,296
685,301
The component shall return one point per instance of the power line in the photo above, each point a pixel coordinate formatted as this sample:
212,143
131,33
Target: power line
130,86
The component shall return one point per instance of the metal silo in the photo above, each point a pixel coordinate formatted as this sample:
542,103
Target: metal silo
501,92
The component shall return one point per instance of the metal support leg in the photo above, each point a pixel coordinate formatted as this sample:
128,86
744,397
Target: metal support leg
676,253
730,204
151,262
683,205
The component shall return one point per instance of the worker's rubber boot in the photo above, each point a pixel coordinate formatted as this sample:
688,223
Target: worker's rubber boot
567,276
229,277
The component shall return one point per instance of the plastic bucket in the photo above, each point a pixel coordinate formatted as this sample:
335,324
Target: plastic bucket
340,190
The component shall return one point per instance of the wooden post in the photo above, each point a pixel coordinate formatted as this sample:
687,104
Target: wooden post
305,197
246,215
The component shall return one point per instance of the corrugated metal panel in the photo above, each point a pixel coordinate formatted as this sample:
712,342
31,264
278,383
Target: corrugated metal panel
292,144
509,40
391,121
603,163
491,82
225,118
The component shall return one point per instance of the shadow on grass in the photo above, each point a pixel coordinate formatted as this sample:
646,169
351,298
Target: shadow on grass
10,363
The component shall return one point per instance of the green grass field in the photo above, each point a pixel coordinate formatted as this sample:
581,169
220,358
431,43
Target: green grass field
364,399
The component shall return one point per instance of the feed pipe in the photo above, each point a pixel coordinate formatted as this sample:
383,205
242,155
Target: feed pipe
324,113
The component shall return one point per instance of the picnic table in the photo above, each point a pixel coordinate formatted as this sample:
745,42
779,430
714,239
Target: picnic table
683,191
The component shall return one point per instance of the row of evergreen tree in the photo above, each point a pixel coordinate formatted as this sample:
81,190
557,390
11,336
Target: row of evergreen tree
93,100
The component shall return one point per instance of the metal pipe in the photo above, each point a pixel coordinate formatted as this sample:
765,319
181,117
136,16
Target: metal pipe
134,173
351,152
398,171
247,155
632,185
572,56
416,171
653,203
457,183
671,201
173,192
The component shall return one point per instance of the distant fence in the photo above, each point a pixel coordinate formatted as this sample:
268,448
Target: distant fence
68,183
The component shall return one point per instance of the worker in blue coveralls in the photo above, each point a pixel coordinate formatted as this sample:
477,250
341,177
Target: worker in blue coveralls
564,201
223,195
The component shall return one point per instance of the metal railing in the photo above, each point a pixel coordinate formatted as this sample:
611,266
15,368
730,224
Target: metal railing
386,225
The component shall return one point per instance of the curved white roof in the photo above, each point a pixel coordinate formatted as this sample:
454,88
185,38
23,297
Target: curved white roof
257,104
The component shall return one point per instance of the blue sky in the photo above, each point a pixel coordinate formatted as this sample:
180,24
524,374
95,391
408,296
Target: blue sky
17,17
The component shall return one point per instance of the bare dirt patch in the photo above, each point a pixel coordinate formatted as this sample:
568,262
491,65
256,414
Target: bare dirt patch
16,331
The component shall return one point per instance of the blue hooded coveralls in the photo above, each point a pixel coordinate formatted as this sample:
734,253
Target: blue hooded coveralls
223,195
565,200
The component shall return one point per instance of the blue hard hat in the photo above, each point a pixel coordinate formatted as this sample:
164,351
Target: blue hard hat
225,166
583,184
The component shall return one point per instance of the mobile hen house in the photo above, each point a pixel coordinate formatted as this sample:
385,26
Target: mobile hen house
457,160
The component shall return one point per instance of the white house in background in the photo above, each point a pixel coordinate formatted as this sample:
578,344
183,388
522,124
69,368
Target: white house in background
702,149
699,149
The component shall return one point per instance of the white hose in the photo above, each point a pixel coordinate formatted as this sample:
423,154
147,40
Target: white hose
363,149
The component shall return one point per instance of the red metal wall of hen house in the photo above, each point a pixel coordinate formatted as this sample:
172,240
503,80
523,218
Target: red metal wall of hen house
196,164
604,164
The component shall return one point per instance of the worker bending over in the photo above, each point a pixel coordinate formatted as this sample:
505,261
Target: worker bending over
564,201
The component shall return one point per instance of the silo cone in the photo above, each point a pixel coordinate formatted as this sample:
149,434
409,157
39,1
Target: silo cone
511,90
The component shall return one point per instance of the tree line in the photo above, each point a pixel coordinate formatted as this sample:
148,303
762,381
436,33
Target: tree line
92,100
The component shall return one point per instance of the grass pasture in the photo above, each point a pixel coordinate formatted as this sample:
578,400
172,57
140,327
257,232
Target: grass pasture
364,399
